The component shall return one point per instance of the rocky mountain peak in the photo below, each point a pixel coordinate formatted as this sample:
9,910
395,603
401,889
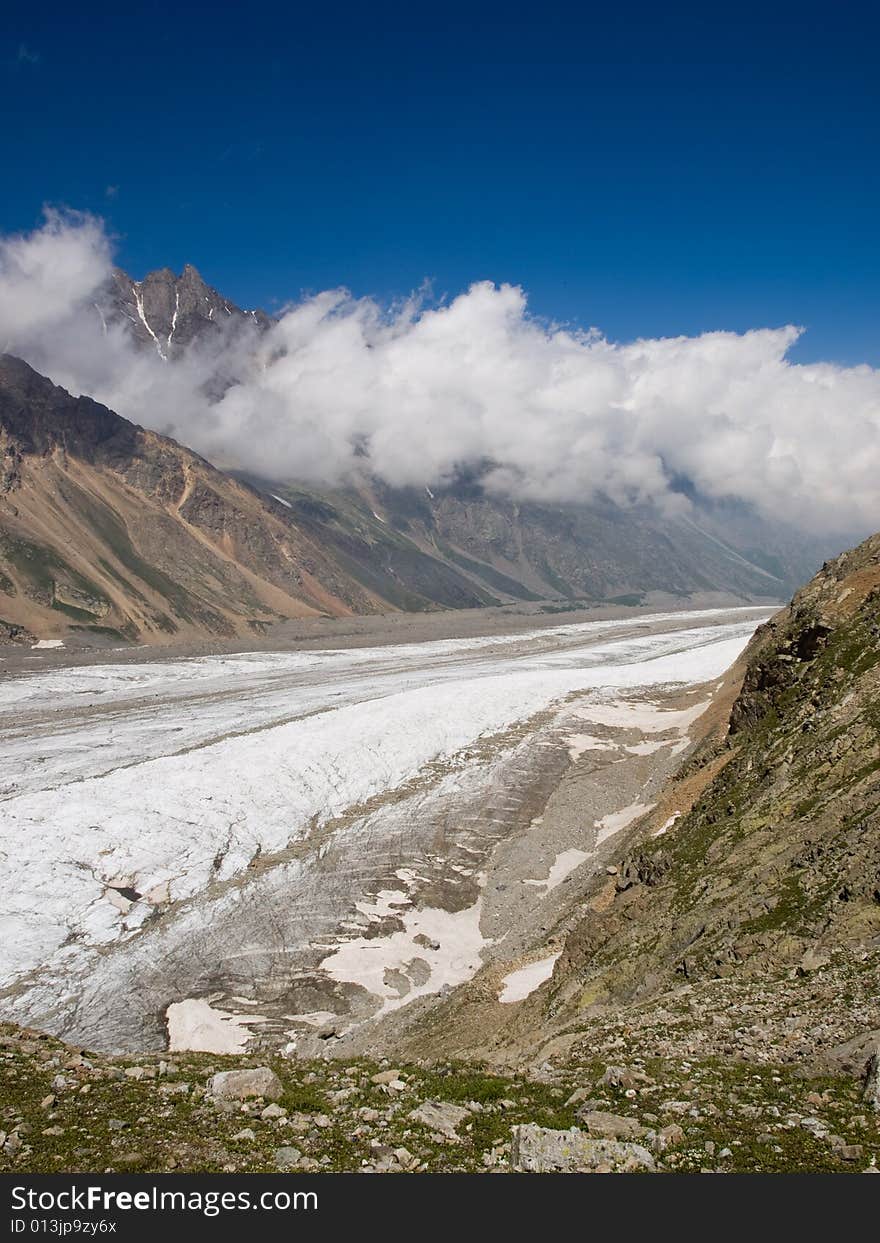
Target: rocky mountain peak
168,313
37,416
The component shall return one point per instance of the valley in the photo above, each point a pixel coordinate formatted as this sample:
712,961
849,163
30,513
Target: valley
439,613
285,847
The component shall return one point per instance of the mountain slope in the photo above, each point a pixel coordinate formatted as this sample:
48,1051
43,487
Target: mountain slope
595,549
750,926
106,527
511,551
780,856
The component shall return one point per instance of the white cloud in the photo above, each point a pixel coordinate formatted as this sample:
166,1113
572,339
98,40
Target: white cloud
424,389
46,275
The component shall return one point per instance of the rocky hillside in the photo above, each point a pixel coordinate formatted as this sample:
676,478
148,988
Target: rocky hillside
743,919
110,530
403,543
777,864
68,1109
600,550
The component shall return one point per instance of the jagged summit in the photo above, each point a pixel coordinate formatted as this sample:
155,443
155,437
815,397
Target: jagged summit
168,313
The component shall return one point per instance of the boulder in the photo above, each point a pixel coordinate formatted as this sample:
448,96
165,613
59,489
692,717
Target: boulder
385,1076
618,1077
240,1084
540,1150
610,1126
441,1116
813,960
871,1091
672,1134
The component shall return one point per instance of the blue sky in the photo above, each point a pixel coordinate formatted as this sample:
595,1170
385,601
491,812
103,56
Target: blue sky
651,170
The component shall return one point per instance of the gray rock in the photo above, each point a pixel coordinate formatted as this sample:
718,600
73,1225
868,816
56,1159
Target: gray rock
239,1084
815,1126
384,1159
174,1089
539,1150
386,1076
813,960
851,1057
611,1126
871,1092
668,1135
440,1116
287,1158
617,1077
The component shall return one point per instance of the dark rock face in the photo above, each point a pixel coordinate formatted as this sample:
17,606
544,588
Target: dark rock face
37,418
839,603
168,313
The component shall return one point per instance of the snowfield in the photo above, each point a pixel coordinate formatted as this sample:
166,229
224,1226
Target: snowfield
128,789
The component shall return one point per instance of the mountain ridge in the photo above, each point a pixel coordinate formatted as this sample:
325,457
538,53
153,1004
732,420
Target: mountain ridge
119,530
167,312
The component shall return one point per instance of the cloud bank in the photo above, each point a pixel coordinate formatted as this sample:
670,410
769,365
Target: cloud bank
413,393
